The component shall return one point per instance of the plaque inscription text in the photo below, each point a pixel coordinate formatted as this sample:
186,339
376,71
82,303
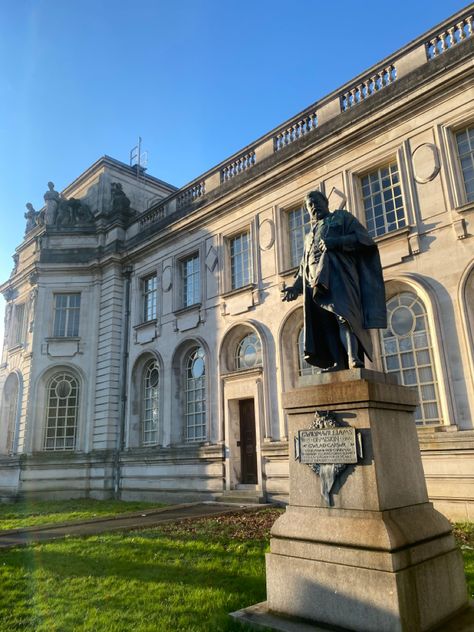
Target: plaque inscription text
328,445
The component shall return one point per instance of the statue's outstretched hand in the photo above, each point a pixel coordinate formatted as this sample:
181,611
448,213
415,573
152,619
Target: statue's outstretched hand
289,294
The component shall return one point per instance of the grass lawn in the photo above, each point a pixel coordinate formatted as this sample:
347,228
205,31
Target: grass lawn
178,577
31,513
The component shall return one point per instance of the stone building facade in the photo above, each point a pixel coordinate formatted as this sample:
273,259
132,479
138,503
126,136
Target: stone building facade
147,346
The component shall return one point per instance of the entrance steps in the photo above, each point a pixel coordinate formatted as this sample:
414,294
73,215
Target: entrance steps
242,496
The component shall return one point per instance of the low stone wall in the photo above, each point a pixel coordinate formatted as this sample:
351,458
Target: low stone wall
448,463
182,474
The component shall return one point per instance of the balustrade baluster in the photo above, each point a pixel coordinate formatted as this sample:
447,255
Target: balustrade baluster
469,25
460,26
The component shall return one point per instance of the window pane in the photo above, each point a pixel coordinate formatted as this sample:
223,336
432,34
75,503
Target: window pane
465,143
195,393
249,352
382,200
407,316
66,315
150,297
240,266
150,403
298,226
190,272
62,413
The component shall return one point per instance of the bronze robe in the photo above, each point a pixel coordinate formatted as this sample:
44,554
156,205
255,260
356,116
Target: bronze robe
346,281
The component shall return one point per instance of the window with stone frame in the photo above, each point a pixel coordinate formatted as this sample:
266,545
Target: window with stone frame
299,224
465,147
62,411
66,315
150,403
240,259
149,297
9,410
407,351
383,200
195,395
190,280
18,326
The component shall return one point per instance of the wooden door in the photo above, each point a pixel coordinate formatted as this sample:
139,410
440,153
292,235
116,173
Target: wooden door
248,447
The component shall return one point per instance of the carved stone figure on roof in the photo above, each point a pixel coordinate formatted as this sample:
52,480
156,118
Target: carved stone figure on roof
73,212
30,216
120,202
51,198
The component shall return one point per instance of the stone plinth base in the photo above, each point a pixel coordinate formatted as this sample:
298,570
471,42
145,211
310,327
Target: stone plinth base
380,558
261,618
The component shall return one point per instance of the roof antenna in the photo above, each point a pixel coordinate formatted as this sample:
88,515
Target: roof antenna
138,159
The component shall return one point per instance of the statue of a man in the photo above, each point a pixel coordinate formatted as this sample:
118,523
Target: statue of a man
340,277
51,198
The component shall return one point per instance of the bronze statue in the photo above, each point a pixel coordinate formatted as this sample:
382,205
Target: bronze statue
340,277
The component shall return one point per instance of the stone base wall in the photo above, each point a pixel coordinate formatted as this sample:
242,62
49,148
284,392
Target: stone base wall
189,473
177,474
448,463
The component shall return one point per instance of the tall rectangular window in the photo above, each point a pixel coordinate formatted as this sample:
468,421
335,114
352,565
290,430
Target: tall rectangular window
191,280
298,225
383,201
149,297
18,325
465,143
240,260
66,315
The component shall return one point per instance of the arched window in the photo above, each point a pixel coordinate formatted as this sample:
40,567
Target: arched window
303,366
407,352
62,412
195,395
249,352
150,403
10,410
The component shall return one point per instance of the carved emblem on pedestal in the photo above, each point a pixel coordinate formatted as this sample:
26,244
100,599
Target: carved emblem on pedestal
328,447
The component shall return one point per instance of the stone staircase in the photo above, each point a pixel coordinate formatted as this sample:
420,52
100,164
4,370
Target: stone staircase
243,495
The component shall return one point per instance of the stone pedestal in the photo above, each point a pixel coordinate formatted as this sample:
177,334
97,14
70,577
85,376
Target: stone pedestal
380,559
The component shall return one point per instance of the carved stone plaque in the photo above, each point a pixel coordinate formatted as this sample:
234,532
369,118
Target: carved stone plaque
328,445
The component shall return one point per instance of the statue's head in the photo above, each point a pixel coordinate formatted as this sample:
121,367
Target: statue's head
316,204
29,206
50,186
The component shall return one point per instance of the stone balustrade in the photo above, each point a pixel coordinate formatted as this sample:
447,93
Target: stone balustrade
419,52
191,194
449,37
295,131
237,166
154,215
368,87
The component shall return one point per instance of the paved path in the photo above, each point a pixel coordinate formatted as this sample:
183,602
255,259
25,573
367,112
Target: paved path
121,522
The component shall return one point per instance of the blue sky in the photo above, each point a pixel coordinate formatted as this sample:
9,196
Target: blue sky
196,79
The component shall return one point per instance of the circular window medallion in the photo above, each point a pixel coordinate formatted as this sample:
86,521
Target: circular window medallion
402,321
197,368
63,389
154,377
249,355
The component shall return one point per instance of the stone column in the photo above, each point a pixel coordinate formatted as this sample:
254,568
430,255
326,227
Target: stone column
380,559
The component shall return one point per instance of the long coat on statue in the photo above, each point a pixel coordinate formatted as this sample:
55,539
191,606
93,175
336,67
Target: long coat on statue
345,281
